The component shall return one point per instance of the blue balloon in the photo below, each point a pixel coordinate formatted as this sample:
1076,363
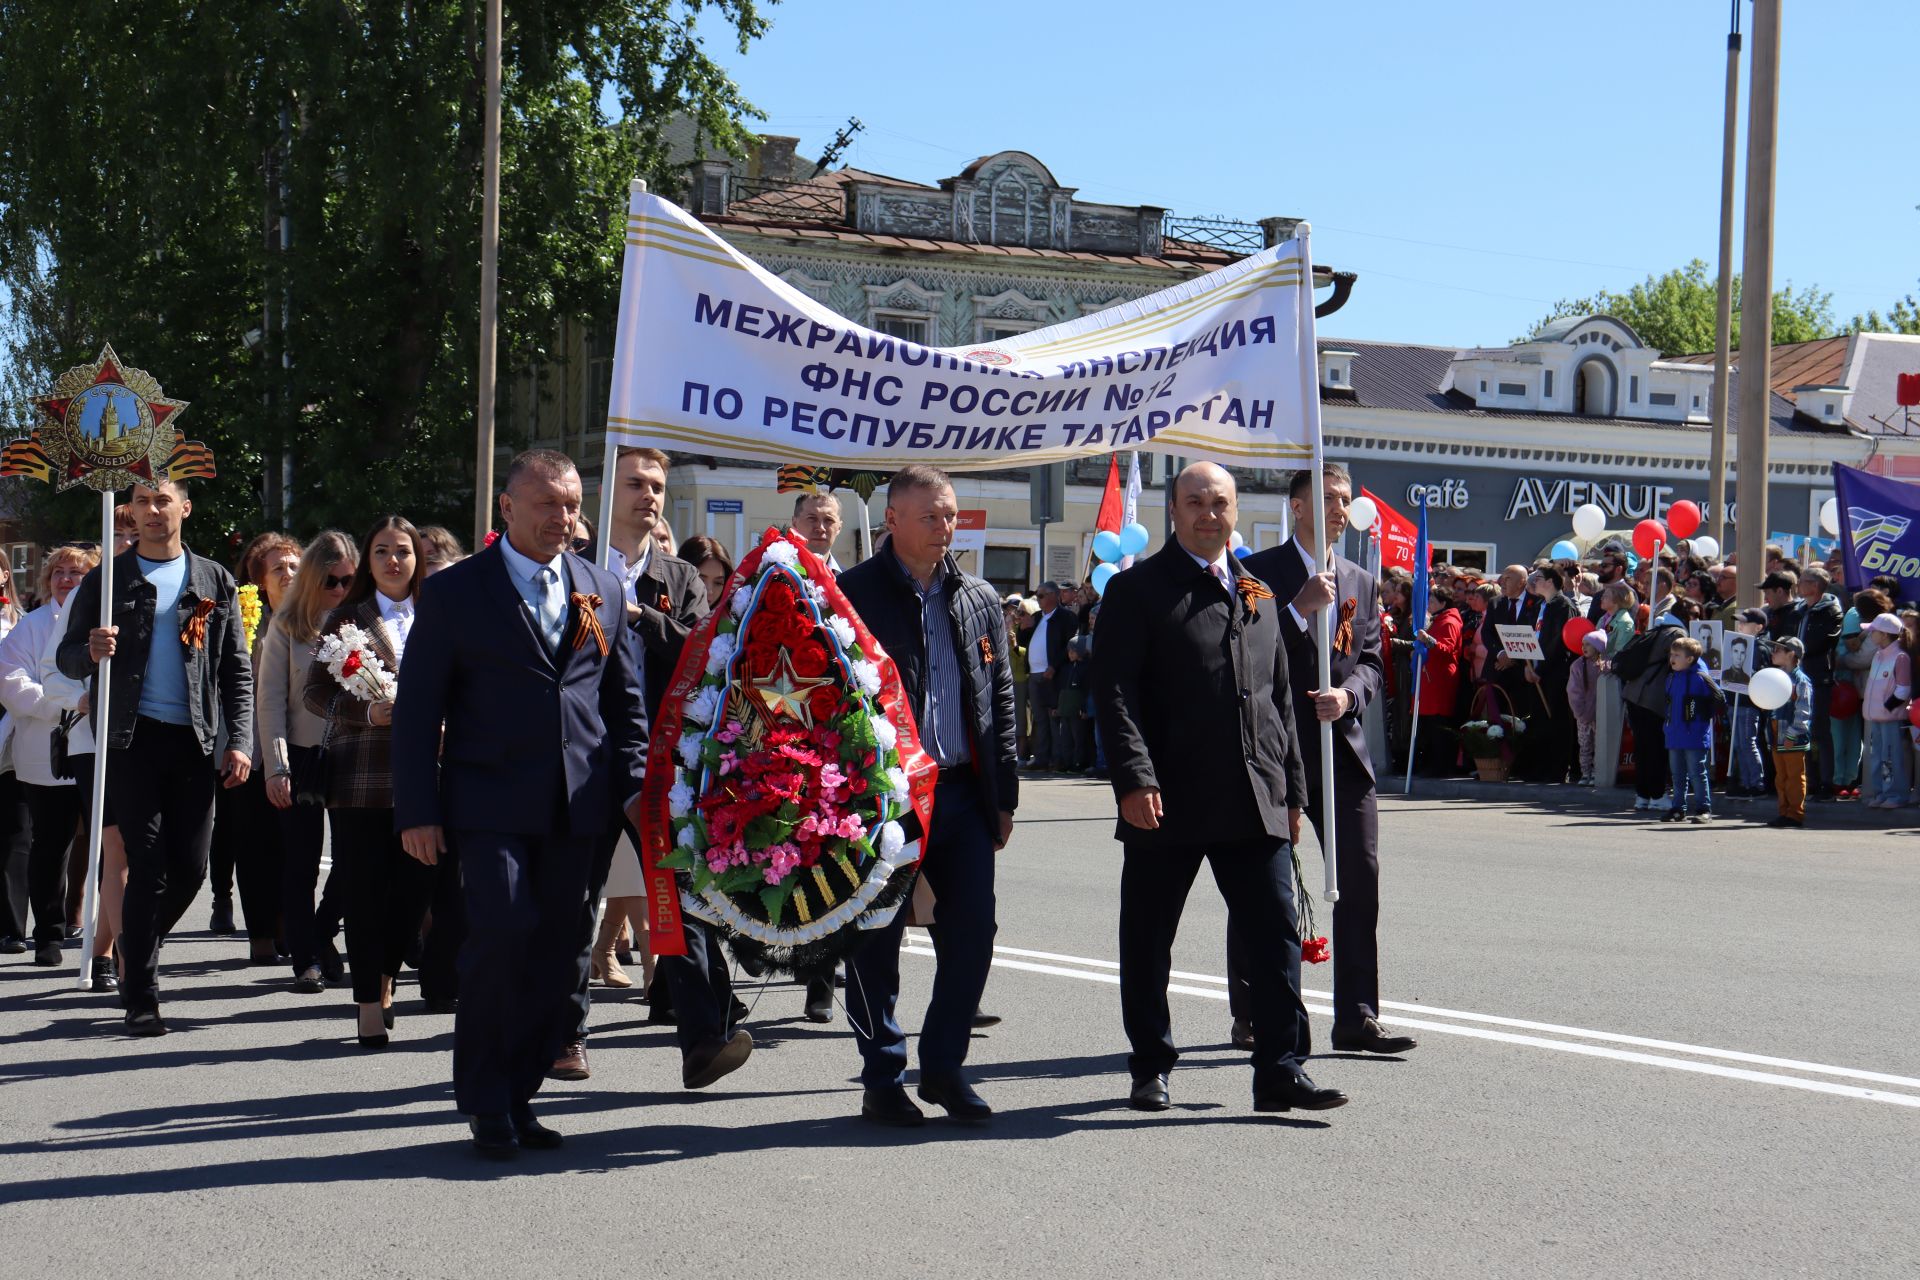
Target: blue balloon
1241,553
1134,539
1106,546
1102,575
1563,550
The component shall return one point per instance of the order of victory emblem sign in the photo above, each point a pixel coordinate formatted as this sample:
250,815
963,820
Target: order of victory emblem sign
106,427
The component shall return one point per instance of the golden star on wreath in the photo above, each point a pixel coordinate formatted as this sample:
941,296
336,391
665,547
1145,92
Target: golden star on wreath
786,694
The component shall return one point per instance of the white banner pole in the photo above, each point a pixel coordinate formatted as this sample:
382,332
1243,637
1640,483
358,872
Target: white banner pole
1310,411
96,813
610,453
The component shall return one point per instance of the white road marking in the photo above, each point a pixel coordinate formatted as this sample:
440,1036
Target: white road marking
1106,972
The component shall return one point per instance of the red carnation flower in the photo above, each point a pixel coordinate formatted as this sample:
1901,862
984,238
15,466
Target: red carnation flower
1314,950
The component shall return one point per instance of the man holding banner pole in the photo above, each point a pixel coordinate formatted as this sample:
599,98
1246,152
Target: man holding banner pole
1336,675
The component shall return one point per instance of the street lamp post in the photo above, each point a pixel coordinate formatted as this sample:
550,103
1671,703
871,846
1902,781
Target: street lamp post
489,286
1756,296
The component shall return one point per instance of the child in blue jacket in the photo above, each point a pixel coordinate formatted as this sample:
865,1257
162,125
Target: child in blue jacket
1692,701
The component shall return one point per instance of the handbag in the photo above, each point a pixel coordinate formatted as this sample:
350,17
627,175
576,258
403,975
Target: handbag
310,783
61,763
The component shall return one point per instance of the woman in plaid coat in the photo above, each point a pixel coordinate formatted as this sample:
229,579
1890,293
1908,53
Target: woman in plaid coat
386,891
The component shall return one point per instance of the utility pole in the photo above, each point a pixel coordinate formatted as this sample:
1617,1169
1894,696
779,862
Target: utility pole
1756,297
489,286
1723,332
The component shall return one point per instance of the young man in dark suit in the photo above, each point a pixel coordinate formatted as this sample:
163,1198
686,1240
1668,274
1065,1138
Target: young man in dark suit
519,661
1194,703
1356,666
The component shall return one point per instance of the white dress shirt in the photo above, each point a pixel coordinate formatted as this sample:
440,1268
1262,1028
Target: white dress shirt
1217,567
1037,645
1313,567
631,573
397,617
545,596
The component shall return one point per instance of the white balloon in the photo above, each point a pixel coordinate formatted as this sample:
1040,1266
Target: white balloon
1830,516
1770,689
1704,547
1237,541
1362,513
1589,521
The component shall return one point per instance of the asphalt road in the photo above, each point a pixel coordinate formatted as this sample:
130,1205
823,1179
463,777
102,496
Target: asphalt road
1644,1050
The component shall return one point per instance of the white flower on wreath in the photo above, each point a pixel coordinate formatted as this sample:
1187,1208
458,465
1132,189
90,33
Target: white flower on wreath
680,799
892,841
897,780
690,749
719,654
687,836
842,631
741,599
884,733
816,593
1496,732
780,553
867,676
704,705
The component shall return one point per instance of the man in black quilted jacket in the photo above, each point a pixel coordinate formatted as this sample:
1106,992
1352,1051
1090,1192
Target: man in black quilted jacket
944,631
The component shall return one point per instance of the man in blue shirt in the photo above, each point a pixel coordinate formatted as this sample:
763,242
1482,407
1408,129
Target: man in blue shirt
181,677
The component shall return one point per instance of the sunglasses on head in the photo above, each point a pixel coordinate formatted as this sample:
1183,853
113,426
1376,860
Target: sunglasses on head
337,582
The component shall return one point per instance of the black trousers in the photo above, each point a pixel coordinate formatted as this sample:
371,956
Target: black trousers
386,896
55,813
1555,748
1356,917
258,855
440,957
605,847
1256,879
16,838
303,835
1649,751
521,963
160,794
701,985
1820,765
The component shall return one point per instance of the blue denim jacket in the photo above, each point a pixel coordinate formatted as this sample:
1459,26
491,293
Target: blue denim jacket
1793,722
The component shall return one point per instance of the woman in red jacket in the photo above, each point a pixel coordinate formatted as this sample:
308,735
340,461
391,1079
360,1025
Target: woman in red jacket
1444,637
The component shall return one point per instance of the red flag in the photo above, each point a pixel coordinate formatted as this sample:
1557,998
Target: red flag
1398,536
1111,503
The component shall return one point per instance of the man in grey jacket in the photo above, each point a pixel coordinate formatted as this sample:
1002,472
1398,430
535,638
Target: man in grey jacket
182,678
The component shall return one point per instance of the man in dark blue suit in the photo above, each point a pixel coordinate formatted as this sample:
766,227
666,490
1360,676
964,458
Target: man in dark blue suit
519,660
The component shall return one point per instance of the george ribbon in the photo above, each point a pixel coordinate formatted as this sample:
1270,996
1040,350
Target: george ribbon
666,931
1252,592
1343,635
986,650
588,628
195,636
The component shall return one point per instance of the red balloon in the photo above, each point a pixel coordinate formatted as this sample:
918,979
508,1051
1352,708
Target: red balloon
1647,535
1913,713
1575,633
1684,519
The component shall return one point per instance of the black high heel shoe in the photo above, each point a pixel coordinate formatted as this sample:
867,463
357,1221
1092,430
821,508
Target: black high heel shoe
386,1016
366,1041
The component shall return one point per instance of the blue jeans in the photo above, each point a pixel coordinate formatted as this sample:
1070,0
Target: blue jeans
1687,767
1846,750
1744,765
1890,759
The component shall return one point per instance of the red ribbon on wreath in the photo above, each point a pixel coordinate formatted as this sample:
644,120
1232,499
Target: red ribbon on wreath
666,930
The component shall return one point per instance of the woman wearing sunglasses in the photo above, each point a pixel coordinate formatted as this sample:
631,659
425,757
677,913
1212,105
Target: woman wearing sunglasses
290,737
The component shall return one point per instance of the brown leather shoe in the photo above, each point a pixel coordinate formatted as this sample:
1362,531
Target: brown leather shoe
572,1063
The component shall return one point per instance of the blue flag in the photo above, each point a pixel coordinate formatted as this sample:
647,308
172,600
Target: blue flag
1879,529
1417,607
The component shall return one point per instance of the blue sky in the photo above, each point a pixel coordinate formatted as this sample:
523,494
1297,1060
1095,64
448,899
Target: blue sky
1474,161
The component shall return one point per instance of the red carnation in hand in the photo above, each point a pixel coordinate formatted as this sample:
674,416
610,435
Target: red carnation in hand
350,664
1314,950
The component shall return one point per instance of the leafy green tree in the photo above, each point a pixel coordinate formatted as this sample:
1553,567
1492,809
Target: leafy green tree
1676,313
149,150
1902,317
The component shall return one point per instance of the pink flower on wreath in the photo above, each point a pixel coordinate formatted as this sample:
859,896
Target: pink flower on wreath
784,858
731,733
831,778
728,763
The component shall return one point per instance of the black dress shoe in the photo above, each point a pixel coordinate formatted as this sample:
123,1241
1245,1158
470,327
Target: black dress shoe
1242,1033
442,1005
145,1022
889,1105
222,920
105,976
533,1135
333,967
956,1095
738,1012
660,1011
982,1019
1369,1037
310,982
493,1135
706,1063
1150,1093
47,955
820,1000
12,946
1297,1091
